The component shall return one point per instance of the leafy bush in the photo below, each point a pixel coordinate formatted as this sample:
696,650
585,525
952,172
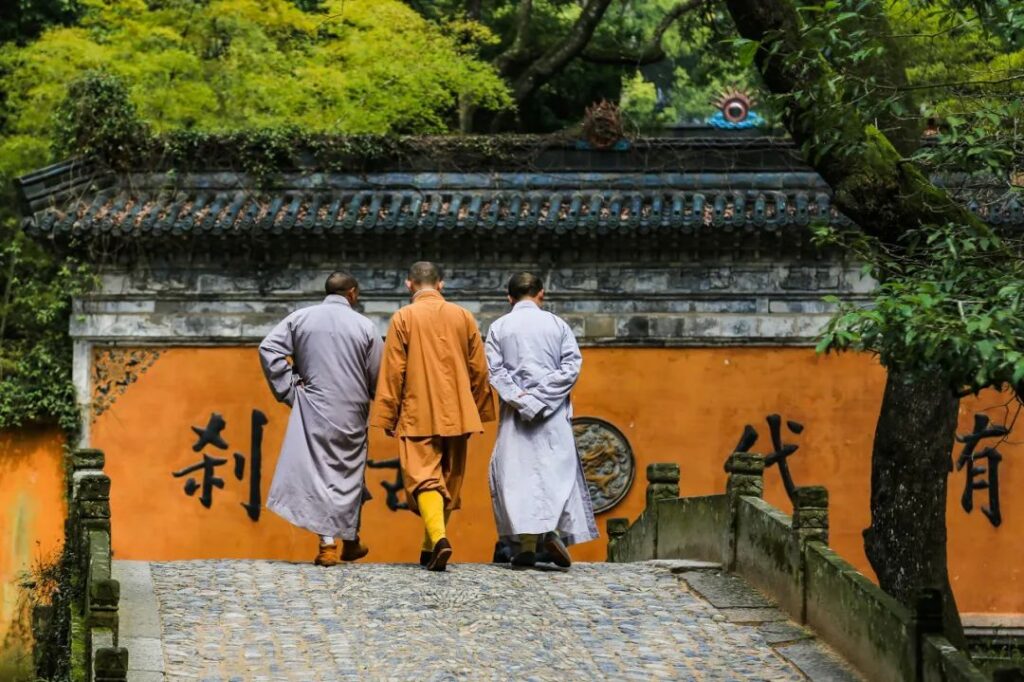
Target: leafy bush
951,302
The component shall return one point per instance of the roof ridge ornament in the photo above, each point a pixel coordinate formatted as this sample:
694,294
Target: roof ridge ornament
603,128
735,111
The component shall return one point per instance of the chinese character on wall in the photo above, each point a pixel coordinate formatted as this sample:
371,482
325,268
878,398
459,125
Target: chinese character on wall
206,470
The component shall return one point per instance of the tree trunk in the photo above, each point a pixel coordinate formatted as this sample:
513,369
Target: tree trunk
910,465
885,196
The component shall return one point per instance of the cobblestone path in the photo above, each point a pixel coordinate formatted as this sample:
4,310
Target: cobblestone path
262,620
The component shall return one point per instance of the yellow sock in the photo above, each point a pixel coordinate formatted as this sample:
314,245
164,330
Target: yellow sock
431,506
427,544
527,543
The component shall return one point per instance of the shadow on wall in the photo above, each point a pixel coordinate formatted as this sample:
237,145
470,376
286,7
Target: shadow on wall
32,511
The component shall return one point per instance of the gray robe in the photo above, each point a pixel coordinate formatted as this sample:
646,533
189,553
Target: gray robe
536,477
335,351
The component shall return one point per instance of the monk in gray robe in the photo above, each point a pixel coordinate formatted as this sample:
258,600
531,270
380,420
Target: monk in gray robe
537,484
335,357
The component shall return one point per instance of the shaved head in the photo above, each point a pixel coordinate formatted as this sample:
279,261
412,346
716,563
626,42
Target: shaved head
340,283
425,272
523,284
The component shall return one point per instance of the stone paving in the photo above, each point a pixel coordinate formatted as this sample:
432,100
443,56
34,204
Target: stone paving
263,620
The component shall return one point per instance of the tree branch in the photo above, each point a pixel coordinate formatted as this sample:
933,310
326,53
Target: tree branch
652,52
872,183
956,84
541,70
517,52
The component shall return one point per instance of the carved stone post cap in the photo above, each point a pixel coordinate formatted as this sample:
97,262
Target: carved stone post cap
111,662
104,593
745,463
617,526
811,496
88,458
663,472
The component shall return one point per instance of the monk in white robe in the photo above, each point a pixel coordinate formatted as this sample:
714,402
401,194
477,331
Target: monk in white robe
537,484
335,356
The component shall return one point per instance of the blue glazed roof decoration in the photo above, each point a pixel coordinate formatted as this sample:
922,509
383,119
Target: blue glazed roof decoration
734,112
718,120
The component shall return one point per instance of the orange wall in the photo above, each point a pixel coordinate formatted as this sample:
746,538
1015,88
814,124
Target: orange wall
32,508
683,405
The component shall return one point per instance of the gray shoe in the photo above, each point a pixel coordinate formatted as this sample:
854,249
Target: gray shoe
557,551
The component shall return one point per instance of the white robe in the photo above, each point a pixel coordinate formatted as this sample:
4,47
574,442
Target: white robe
319,481
536,477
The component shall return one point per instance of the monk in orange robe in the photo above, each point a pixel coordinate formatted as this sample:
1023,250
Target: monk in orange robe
433,392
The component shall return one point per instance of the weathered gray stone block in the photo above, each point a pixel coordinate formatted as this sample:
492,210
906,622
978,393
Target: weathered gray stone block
87,458
768,554
94,509
663,472
110,664
694,528
868,627
93,485
599,326
940,660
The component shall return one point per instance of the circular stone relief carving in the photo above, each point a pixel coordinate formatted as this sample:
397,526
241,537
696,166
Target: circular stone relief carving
608,463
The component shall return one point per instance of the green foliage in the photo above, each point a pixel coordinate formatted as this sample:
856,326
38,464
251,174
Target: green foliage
24,20
977,62
254,71
639,103
35,351
97,119
57,581
226,65
951,303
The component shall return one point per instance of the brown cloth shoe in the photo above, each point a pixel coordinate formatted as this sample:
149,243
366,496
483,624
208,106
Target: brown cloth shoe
352,550
328,555
439,557
557,551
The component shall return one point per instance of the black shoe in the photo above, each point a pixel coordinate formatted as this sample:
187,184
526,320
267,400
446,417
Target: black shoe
502,552
557,551
425,557
439,557
525,559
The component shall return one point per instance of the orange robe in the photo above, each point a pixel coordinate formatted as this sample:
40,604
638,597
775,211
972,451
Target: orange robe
433,392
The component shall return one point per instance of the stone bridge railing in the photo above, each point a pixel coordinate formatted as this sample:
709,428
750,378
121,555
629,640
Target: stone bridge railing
94,594
789,559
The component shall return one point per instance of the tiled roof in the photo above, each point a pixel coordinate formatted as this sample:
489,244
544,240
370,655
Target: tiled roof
197,212
75,202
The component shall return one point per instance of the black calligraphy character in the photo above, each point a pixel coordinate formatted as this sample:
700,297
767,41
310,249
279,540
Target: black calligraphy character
782,450
211,434
968,457
747,441
392,489
257,422
208,435
208,466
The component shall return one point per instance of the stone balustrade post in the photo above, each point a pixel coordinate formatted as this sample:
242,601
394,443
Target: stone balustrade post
810,514
746,474
110,664
662,483
746,479
615,528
